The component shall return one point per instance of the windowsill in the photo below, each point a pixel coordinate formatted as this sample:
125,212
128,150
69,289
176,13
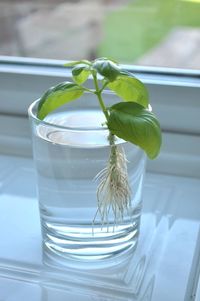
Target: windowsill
168,247
52,68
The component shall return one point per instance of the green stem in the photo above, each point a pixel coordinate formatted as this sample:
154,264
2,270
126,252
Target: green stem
100,99
86,89
104,85
111,137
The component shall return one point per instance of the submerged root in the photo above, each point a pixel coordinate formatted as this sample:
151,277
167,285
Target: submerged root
113,192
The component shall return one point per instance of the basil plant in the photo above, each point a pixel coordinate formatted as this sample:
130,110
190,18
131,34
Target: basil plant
130,119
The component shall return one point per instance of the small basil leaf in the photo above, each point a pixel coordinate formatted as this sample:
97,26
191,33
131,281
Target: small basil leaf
130,89
58,96
74,63
132,122
106,68
81,73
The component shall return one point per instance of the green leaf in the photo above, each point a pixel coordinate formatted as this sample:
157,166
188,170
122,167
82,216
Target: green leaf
132,122
130,89
81,73
106,59
74,63
58,96
106,68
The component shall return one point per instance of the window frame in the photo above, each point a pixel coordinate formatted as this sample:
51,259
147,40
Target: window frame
25,79
174,95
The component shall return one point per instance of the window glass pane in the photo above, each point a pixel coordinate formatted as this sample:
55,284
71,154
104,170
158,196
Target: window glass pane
142,32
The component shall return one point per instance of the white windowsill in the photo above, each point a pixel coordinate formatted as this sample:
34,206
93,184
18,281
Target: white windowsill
170,228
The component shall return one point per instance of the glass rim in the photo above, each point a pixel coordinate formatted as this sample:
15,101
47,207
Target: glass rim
33,116
61,127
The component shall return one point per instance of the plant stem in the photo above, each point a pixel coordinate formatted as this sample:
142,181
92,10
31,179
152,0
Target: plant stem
111,137
104,85
113,190
86,89
100,99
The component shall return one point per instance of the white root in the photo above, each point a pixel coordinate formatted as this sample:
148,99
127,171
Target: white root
113,192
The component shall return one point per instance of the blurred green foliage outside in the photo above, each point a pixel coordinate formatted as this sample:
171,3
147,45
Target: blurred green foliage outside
133,30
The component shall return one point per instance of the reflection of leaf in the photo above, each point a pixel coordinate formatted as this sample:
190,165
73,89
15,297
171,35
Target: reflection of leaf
58,96
130,89
132,122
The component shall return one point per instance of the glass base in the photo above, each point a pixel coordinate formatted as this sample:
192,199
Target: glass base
86,244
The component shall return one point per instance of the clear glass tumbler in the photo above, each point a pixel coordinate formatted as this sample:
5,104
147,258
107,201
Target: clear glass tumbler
70,148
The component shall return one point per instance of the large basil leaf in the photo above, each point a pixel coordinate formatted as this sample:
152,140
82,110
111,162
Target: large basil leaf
132,122
130,89
58,96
